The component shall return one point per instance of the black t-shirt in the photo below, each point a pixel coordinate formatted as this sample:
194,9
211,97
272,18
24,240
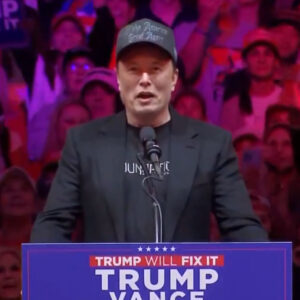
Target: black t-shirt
139,208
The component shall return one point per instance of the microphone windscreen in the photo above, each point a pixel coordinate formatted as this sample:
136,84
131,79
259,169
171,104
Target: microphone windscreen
147,133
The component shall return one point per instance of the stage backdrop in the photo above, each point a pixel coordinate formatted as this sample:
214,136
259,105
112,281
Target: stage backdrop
210,271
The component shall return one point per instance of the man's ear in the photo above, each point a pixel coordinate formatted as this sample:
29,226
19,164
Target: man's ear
118,84
118,81
175,79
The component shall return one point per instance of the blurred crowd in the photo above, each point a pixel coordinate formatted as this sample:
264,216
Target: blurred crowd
239,64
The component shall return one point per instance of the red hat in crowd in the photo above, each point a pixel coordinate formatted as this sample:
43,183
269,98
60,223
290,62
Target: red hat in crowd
257,37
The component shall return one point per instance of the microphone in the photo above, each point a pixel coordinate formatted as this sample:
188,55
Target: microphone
153,151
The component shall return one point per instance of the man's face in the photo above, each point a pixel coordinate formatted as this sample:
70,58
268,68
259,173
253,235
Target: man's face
17,198
278,150
75,73
190,106
67,36
146,78
121,11
100,100
72,115
10,277
261,62
288,40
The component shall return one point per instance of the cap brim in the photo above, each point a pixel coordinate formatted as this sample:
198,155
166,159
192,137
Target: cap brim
258,43
125,49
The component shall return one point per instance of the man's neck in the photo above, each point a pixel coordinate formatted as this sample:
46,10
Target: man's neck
166,10
285,175
262,88
148,120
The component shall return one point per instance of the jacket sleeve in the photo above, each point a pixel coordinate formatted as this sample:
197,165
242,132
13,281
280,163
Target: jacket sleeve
56,223
232,206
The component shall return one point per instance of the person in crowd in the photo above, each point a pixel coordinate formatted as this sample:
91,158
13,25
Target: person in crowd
10,274
17,207
247,109
78,6
286,30
84,9
99,92
110,19
66,116
91,178
269,175
192,27
234,20
67,33
296,260
190,103
279,158
167,12
22,58
4,134
243,142
282,114
261,207
44,182
75,65
3,89
5,160
12,123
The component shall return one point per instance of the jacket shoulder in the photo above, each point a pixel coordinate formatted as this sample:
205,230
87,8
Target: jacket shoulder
209,131
92,128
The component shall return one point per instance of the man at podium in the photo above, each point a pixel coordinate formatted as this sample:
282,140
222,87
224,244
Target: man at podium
107,164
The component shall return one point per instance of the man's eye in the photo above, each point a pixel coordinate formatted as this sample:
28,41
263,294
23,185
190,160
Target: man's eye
86,67
73,67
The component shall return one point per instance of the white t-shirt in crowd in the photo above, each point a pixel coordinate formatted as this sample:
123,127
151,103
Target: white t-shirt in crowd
256,121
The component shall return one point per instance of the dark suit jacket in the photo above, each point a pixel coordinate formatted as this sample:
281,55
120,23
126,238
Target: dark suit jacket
204,178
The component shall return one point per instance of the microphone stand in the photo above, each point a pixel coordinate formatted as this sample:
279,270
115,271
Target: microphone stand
150,191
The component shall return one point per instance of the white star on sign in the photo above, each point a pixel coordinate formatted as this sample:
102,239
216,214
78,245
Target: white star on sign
140,249
148,249
165,249
173,249
156,249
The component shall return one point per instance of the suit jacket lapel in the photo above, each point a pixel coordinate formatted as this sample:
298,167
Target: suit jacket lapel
112,157
184,158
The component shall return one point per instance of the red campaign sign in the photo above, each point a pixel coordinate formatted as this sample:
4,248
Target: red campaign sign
157,261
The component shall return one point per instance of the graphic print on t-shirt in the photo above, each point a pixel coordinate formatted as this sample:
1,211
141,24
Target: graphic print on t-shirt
136,168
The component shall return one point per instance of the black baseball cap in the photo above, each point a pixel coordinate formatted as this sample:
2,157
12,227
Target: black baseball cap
147,31
76,52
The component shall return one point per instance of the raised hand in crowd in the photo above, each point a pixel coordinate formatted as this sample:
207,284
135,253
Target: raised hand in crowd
194,51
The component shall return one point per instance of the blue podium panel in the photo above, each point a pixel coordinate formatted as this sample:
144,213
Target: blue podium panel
196,271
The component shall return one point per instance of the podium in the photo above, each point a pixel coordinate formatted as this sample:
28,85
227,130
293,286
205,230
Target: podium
165,271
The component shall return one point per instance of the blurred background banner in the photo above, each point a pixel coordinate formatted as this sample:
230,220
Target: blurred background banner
11,20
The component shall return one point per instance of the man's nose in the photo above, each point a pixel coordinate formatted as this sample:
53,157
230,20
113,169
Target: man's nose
145,79
278,149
